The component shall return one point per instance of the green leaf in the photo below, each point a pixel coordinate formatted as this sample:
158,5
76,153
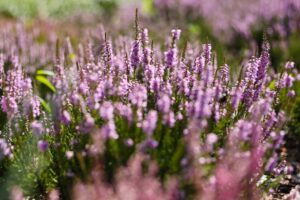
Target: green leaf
272,85
45,104
44,72
46,82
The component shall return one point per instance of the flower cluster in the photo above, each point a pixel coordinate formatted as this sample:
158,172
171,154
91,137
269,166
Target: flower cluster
124,106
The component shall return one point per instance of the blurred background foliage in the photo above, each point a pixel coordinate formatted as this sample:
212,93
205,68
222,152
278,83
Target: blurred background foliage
120,14
28,9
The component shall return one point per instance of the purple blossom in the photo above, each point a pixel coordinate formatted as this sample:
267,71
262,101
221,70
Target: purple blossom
146,50
271,164
135,56
199,65
236,97
109,130
164,103
37,127
171,54
176,34
108,53
9,105
211,138
291,93
4,149
88,124
43,145
288,81
262,70
149,123
138,96
149,144
66,117
249,81
169,119
207,52
107,111
35,104
171,58
124,111
289,65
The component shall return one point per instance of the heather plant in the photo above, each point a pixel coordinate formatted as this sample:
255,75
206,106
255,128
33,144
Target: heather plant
118,118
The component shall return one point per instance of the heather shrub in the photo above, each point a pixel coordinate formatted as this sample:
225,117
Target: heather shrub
122,118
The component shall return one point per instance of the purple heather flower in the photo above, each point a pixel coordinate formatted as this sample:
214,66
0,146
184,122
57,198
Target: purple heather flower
83,88
74,98
146,50
26,84
171,54
224,74
88,124
169,119
9,105
211,138
129,142
108,53
149,124
271,164
236,96
59,79
155,85
138,96
4,148
124,110
199,65
37,127
176,34
289,65
202,105
262,70
65,117
89,121
109,130
288,80
43,145
179,116
33,107
107,111
279,139
145,37
249,81
207,52
164,103
291,93
171,58
261,108
149,143
135,53
184,86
